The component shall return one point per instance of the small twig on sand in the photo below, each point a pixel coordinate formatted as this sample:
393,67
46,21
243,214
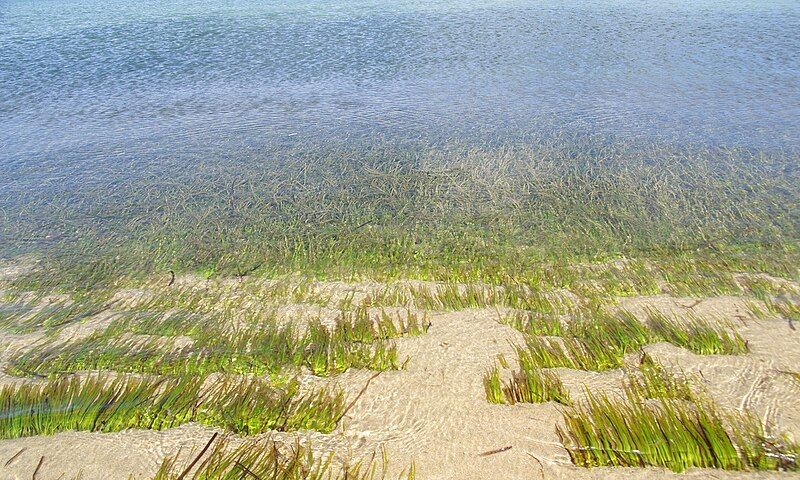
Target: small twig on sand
38,467
15,456
541,465
492,452
791,323
198,457
357,396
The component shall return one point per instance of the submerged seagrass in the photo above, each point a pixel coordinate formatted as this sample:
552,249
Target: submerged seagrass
105,404
549,234
596,340
148,343
262,459
446,212
663,421
671,433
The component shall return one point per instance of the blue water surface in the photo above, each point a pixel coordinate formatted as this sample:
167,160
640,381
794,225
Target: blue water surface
89,80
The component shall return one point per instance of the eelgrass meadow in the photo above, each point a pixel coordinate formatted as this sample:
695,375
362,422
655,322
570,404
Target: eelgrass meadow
312,240
495,214
662,419
147,342
310,262
593,339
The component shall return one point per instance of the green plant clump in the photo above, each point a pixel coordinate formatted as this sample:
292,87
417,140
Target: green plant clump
653,381
29,316
262,459
529,384
97,404
358,340
533,323
596,341
697,335
670,432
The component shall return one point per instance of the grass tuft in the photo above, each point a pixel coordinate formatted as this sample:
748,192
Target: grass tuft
591,342
493,386
532,323
145,342
699,336
670,434
100,404
263,459
48,315
661,422
527,385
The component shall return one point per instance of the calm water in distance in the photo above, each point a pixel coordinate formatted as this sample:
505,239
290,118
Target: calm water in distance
83,80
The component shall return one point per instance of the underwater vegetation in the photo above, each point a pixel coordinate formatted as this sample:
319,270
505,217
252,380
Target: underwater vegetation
496,215
661,419
212,293
527,385
29,315
105,404
699,336
654,381
223,459
600,341
671,433
148,343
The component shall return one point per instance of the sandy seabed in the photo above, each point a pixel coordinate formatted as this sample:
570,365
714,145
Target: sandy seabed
434,413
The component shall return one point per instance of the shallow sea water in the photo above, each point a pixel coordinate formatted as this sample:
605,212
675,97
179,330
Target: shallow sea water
87,80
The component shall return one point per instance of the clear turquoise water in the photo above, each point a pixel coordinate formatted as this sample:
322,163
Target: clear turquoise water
84,81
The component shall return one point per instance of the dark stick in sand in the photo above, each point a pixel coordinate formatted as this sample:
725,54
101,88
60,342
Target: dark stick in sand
357,397
541,465
492,452
198,457
15,456
39,466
